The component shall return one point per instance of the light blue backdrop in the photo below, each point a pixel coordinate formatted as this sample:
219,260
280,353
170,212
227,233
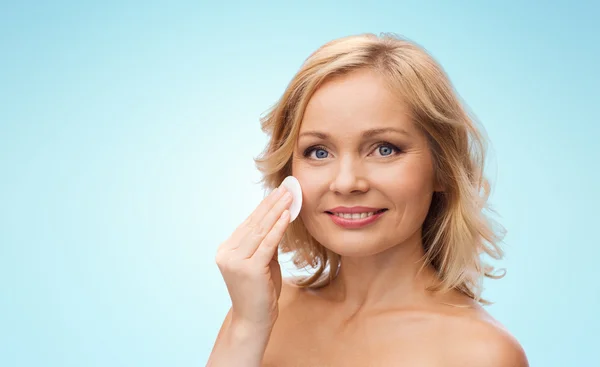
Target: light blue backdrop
127,132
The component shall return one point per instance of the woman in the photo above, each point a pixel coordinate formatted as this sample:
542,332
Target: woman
391,169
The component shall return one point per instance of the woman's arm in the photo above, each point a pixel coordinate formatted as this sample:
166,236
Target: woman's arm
239,345
249,265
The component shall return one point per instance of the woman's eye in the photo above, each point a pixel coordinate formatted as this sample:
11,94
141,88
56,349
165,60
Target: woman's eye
315,152
321,153
387,149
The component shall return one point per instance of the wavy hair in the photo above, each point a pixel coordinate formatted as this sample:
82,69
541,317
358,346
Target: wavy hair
456,230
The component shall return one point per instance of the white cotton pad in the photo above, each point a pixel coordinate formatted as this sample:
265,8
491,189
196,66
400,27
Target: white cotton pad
293,186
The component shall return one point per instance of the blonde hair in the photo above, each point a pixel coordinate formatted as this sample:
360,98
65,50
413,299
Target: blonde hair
456,230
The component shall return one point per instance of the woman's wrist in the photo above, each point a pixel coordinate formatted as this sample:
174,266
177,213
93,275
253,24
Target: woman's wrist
243,345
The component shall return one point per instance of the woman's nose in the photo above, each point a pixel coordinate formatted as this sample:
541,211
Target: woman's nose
348,178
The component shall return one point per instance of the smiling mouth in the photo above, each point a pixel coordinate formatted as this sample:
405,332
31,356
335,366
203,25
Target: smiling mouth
355,216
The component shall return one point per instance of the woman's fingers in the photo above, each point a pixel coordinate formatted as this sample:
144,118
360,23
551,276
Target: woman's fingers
268,247
266,205
258,213
247,261
257,232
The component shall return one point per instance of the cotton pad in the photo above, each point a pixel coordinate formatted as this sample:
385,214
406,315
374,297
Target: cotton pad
293,186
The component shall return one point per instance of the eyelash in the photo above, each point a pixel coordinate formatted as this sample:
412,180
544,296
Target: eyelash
311,149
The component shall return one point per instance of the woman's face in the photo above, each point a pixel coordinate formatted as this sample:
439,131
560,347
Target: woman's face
357,147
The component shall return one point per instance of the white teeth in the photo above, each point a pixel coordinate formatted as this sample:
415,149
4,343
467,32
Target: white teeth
354,215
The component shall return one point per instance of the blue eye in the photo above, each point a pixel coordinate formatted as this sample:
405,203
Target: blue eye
320,153
387,149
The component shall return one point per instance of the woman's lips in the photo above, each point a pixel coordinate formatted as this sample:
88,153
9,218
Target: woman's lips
353,221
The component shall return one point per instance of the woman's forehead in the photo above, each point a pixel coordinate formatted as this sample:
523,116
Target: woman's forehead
357,101
355,121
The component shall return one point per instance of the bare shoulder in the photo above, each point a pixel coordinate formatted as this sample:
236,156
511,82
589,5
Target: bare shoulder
480,340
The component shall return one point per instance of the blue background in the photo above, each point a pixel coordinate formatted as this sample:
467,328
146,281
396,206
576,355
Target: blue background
127,132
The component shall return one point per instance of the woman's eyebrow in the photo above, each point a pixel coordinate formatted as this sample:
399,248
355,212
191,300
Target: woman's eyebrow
384,130
366,134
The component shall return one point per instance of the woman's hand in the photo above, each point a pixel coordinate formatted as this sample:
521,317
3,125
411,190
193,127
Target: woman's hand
248,262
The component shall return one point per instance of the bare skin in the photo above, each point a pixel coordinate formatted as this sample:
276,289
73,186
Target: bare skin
378,311
314,330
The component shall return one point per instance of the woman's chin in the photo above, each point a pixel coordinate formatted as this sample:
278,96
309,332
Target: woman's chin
354,247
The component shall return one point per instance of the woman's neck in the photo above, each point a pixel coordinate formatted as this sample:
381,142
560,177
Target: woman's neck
393,277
